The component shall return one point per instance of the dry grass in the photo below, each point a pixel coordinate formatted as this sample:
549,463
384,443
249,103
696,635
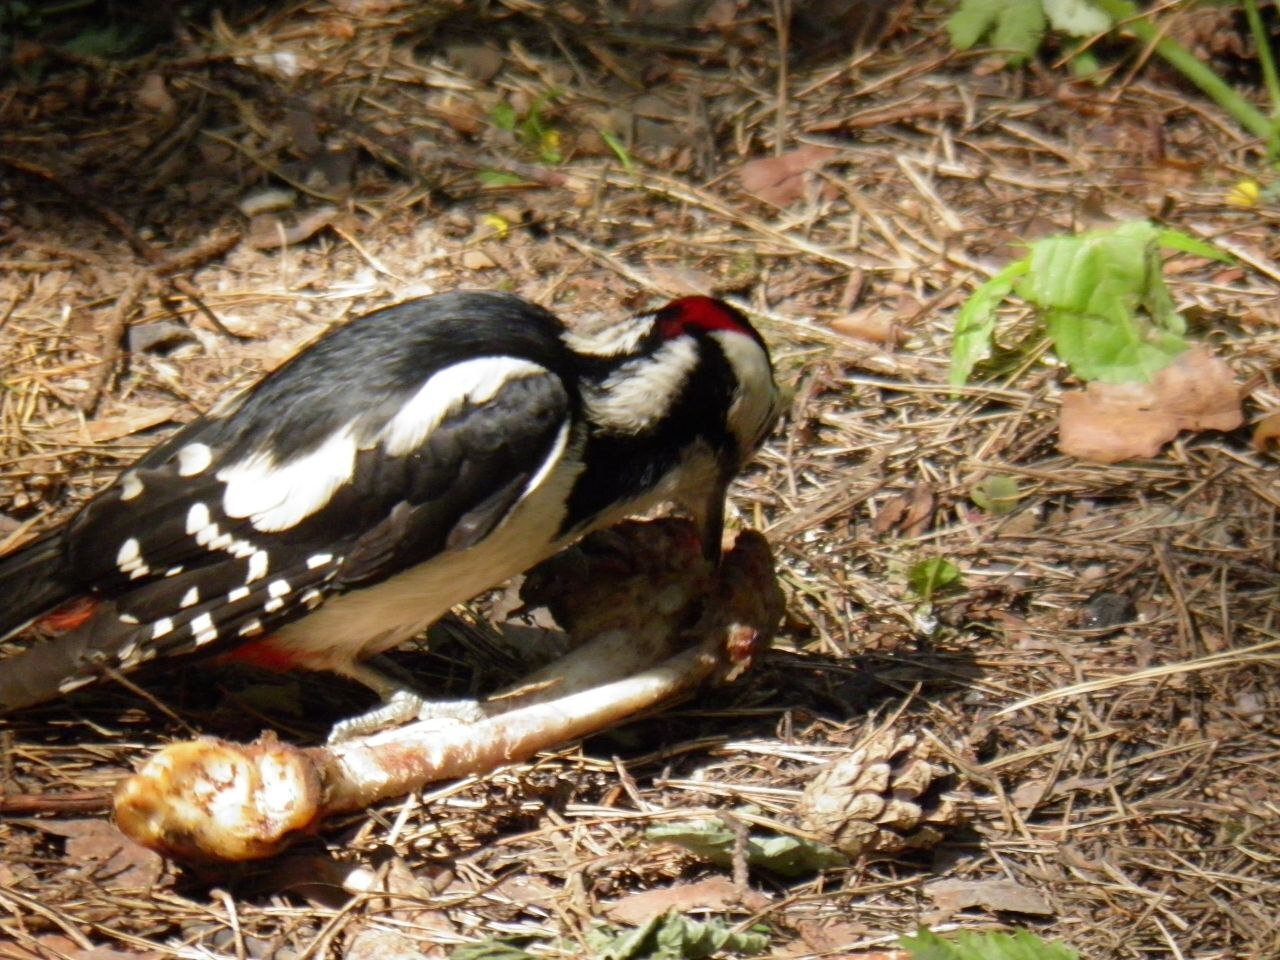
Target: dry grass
1135,783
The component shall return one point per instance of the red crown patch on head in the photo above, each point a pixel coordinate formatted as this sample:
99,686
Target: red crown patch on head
699,313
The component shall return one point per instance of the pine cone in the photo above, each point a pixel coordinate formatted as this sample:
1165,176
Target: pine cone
883,797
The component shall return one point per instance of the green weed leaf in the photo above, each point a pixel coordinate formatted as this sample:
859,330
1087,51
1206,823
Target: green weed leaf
1077,18
928,578
673,937
1016,26
1022,945
976,322
1171,239
997,494
713,841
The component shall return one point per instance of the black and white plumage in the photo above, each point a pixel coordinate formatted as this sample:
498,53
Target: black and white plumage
398,467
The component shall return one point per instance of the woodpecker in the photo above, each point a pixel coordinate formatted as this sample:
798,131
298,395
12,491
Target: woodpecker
401,465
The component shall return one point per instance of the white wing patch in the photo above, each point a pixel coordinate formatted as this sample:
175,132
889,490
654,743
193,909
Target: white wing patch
638,394
471,381
610,340
277,496
130,485
194,458
129,559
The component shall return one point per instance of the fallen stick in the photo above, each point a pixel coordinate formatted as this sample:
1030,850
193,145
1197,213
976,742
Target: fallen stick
208,800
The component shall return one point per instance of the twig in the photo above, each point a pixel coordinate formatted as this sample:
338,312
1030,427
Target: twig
111,340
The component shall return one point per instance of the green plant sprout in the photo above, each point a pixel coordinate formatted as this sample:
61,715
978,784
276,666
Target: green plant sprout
1100,296
1019,26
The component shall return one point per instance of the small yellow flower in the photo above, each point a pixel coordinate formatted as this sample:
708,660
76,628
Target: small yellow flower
499,225
1244,194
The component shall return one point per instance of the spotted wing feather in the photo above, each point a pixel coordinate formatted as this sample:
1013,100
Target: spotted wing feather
163,531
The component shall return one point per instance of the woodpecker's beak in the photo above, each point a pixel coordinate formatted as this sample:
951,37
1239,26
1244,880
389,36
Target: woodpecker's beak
711,525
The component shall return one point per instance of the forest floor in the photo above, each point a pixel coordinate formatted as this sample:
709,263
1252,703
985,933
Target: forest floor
288,170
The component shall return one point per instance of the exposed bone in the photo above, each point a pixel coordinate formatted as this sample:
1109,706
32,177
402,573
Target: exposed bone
648,594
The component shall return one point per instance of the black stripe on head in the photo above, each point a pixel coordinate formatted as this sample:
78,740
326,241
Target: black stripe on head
622,466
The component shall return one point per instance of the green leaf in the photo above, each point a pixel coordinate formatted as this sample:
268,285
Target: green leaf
498,178
713,841
1078,18
976,322
673,937
492,949
1015,26
1022,945
971,21
1104,302
1113,351
928,578
619,150
1019,29
996,494
1171,239
504,117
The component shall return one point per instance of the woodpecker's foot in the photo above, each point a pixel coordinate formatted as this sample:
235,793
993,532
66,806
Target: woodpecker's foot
403,706
400,703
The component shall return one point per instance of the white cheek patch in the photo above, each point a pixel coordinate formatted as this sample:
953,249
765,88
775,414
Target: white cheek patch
471,381
276,496
755,403
640,393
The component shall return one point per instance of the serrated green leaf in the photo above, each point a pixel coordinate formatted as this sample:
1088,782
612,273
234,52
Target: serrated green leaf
1077,18
971,21
1111,350
1019,29
1014,26
996,494
1104,302
1022,945
673,937
976,322
491,949
714,842
928,578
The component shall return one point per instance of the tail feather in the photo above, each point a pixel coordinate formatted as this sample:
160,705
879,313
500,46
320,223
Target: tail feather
32,583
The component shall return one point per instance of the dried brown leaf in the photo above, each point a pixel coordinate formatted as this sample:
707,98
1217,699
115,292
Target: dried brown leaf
714,893
874,325
96,846
1266,432
994,895
1110,422
781,180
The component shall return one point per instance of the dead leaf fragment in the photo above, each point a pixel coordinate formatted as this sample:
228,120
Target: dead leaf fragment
994,895
714,893
781,180
98,848
875,325
1266,432
153,95
1110,422
268,232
